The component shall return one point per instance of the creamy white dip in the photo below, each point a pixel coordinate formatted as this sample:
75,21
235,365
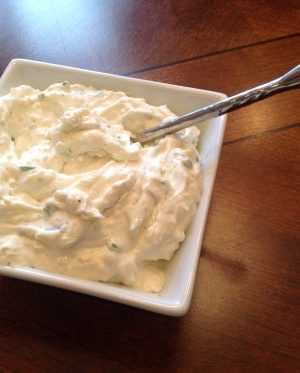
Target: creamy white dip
78,197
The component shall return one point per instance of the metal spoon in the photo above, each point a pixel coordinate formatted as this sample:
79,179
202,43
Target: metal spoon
290,80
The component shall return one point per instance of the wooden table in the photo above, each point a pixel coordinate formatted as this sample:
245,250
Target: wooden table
245,309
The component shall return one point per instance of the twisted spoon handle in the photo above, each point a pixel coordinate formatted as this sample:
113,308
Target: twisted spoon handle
290,80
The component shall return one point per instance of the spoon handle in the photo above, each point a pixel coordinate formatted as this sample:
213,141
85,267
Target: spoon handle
290,80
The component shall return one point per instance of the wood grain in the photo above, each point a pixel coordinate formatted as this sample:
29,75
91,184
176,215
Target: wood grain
124,35
244,315
250,257
234,71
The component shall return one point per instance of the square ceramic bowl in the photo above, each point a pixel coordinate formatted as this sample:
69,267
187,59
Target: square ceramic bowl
175,297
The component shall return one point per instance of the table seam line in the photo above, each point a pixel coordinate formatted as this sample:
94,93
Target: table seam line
209,54
261,134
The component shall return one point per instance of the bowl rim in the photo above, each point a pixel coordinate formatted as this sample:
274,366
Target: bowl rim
122,295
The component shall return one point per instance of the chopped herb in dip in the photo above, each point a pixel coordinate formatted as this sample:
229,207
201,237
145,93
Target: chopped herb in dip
26,168
114,247
49,210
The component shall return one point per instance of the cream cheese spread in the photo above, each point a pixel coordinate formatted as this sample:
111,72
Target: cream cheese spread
79,198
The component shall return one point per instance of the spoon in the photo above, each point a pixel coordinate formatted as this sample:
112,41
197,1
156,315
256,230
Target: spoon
290,80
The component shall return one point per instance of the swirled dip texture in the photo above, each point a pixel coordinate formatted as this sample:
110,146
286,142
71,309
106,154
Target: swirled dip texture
78,197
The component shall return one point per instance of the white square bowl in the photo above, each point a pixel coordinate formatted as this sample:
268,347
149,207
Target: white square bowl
175,297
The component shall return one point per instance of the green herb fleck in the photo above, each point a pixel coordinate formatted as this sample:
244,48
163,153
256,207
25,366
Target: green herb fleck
26,168
187,163
65,83
123,142
49,209
42,96
12,139
67,151
114,247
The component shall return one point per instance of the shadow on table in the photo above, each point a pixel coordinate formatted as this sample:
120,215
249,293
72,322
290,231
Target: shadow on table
110,331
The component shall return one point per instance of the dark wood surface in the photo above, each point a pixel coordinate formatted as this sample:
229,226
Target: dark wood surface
245,311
